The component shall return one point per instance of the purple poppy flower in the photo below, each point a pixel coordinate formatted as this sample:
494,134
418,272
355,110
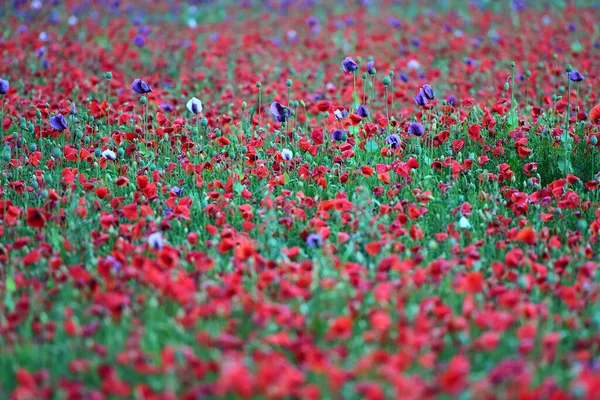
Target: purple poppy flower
370,67
58,122
393,141
116,265
403,77
416,129
349,65
451,100
427,91
141,87
4,86
314,240
362,111
420,99
166,107
177,191
575,76
338,135
312,21
394,23
139,41
281,112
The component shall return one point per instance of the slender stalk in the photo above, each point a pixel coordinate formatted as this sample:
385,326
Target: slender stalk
387,109
512,87
392,90
354,92
108,107
2,119
259,108
372,90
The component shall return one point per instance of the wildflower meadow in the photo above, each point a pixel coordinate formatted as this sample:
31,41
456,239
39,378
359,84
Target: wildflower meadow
277,199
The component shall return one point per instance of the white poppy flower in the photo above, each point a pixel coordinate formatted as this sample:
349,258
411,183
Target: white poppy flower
109,155
194,105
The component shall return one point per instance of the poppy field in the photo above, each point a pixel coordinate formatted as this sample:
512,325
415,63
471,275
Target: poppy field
299,199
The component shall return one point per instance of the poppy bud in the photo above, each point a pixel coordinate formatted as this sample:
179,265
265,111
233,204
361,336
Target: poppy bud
108,75
258,84
204,122
143,100
386,80
6,156
33,147
364,76
302,104
244,106
512,64
528,73
289,83
195,131
594,140
506,86
391,74
569,68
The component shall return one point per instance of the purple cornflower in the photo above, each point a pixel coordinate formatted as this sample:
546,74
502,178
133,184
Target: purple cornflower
314,240
281,112
141,87
58,122
416,129
349,65
451,100
393,141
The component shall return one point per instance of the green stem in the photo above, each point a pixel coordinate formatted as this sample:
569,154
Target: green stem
354,92
2,120
387,110
259,107
512,89
108,107
392,108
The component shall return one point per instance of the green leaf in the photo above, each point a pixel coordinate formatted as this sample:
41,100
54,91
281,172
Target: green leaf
286,178
371,146
238,187
512,120
11,286
564,166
